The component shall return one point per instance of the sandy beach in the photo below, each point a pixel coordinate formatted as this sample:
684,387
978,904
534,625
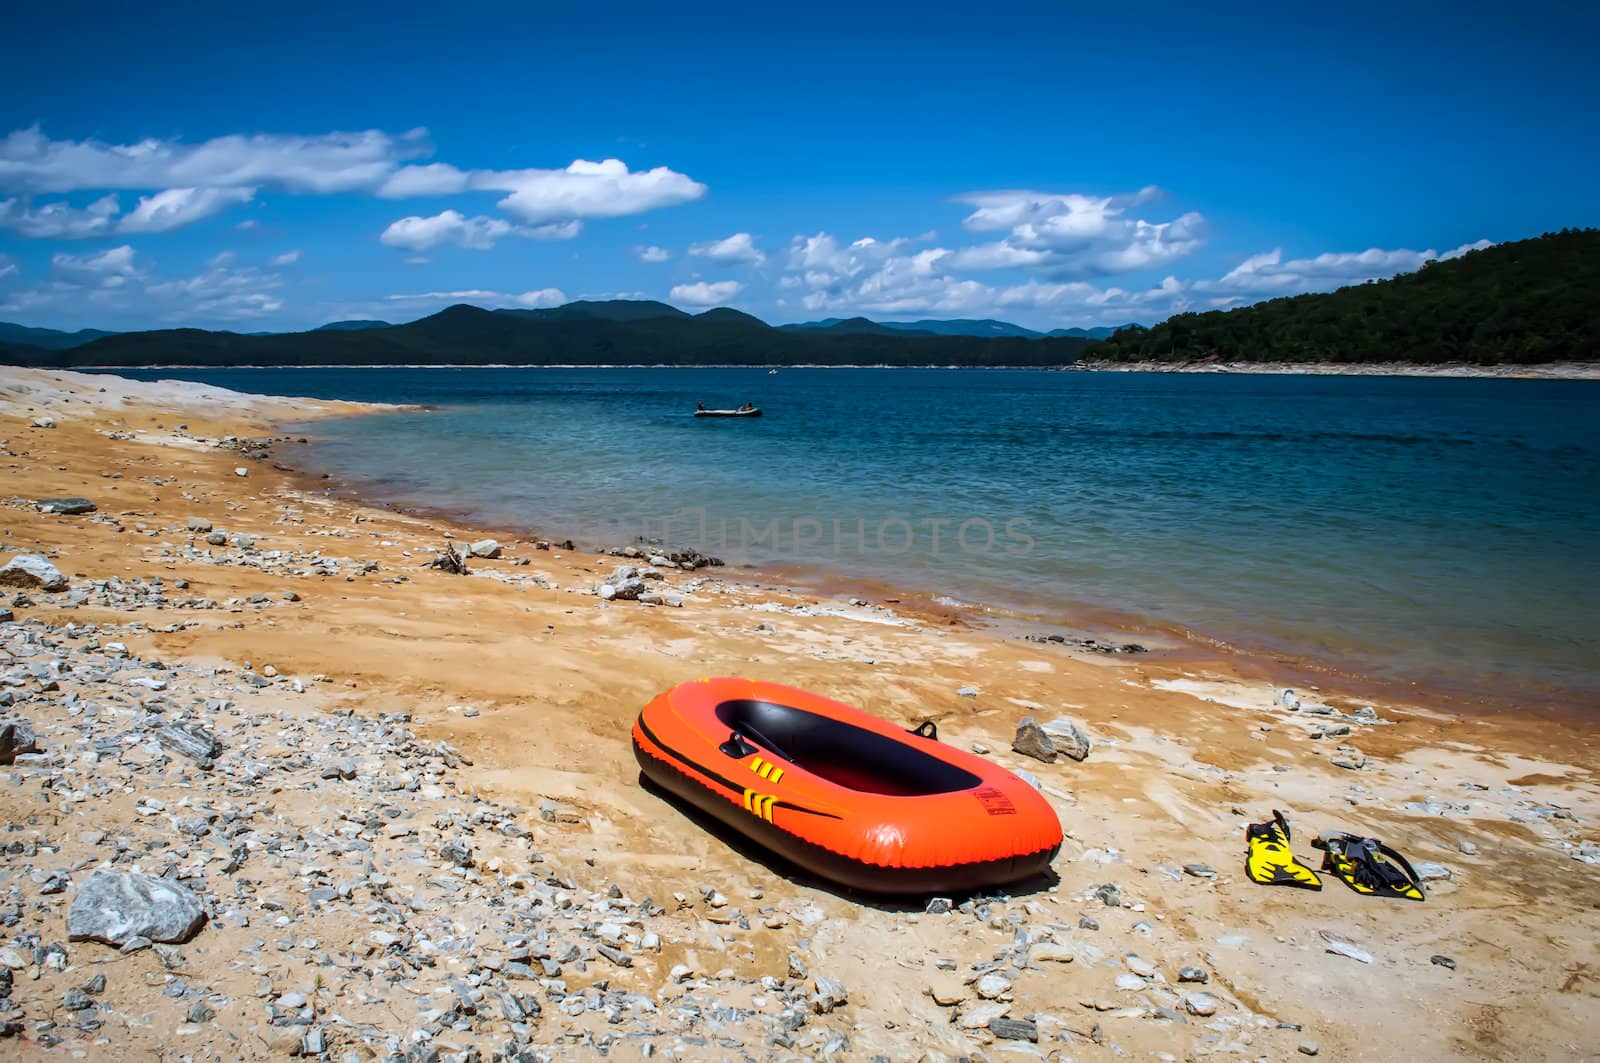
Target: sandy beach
422,835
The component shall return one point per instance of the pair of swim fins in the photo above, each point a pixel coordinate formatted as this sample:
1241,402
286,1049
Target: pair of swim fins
1366,865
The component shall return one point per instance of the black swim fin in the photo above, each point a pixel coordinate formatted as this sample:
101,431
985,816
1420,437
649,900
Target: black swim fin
1368,866
1268,859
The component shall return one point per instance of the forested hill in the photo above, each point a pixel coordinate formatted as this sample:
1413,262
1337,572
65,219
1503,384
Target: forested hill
1530,301
614,333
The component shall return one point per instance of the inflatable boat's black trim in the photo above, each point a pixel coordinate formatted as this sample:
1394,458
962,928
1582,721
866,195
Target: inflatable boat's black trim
843,753
825,863
732,787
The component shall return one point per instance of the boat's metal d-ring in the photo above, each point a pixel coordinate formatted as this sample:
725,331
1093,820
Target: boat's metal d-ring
926,729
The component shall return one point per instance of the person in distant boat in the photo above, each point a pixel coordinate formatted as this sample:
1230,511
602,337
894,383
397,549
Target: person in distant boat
699,405
747,406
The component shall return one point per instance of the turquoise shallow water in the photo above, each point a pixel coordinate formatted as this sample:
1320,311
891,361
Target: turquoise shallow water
1415,529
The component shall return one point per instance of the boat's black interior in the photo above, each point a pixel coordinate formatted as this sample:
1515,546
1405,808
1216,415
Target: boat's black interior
842,754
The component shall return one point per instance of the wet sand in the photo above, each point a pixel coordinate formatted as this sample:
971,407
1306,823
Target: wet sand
1188,749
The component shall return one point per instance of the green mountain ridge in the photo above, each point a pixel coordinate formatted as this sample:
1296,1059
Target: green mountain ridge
1523,302
48,339
616,333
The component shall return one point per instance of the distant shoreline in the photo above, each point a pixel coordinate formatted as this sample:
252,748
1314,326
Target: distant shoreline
1536,371
1539,371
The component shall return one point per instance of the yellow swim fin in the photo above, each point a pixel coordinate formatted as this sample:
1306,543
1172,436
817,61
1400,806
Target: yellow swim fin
1369,867
1268,859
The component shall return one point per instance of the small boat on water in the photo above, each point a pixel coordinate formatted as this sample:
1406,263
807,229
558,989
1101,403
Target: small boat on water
846,795
753,411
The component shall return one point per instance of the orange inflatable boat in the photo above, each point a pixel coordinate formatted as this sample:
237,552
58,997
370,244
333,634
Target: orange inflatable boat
845,795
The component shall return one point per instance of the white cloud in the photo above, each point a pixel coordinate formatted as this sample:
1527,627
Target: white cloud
220,292
651,254
331,162
200,179
158,213
8,266
584,189
177,207
288,258
1267,274
479,234
738,249
433,179
1067,234
705,293
606,189
447,227
60,220
115,281
531,300
109,268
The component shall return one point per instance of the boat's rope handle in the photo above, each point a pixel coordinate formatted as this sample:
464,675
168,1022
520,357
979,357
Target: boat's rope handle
744,730
925,729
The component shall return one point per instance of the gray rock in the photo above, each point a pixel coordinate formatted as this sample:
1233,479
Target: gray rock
198,524
191,740
1201,1004
1193,974
1200,870
1467,847
967,692
1428,871
993,987
938,906
830,993
67,507
1031,741
118,907
1308,1048
16,737
200,1012
32,572
1443,961
484,548
1014,1029
76,1000
44,422
1068,738
217,538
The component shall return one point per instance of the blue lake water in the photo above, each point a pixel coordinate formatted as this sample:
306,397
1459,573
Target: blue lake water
1415,529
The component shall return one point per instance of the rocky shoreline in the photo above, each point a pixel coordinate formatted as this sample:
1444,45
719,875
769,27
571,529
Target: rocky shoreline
275,786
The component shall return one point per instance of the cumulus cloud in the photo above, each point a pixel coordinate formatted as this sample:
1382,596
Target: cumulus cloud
109,268
201,179
705,293
1267,274
735,250
288,258
651,254
158,213
479,234
60,220
878,276
177,207
331,162
584,189
606,189
531,300
117,281
1068,234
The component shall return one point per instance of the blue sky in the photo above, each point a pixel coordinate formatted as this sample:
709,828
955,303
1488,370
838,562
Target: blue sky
277,167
